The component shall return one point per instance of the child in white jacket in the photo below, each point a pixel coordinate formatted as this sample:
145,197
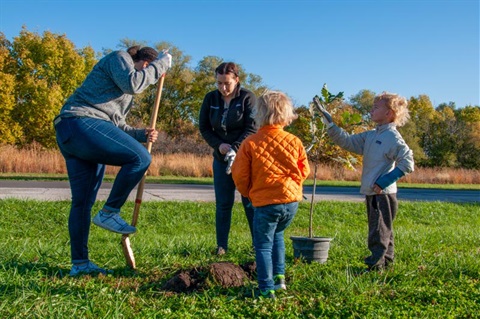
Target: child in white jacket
386,158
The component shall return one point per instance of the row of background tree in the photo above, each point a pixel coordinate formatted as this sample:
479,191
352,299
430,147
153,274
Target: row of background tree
39,71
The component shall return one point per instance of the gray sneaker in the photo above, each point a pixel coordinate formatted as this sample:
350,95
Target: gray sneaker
87,268
113,222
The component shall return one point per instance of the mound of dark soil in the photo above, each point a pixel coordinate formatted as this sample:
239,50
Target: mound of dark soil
223,274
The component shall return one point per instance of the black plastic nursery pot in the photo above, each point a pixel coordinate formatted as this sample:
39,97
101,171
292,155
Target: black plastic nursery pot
311,249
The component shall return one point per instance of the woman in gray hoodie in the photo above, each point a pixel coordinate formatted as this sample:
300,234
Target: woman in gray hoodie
91,132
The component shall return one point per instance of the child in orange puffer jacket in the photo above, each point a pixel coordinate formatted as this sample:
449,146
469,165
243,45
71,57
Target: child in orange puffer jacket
270,168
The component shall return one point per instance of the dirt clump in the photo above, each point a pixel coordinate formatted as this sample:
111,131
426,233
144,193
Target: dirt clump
184,281
223,274
250,268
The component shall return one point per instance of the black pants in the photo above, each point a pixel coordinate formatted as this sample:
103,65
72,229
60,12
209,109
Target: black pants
381,211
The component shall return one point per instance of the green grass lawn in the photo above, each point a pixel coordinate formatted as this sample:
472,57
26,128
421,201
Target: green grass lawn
436,273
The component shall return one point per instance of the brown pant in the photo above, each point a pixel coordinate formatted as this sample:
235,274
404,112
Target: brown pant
381,211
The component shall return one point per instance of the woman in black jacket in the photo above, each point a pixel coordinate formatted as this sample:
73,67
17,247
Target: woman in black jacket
225,121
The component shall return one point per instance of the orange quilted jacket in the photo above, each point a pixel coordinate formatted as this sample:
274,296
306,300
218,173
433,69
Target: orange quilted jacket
270,167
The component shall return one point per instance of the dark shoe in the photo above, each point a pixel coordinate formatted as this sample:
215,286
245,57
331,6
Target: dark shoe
388,263
368,270
360,272
376,268
279,283
375,264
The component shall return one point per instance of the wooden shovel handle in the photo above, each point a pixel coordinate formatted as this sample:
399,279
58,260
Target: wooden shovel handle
127,249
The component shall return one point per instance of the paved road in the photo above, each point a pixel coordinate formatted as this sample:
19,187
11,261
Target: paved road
59,190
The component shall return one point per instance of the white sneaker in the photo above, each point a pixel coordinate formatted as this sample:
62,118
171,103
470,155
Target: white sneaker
113,222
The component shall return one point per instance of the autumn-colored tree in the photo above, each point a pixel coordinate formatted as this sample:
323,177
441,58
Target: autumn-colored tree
468,139
48,69
302,126
39,72
175,104
363,103
413,132
439,139
253,83
451,138
203,81
10,131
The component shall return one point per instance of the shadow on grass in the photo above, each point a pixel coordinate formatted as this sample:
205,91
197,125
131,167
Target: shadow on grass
40,277
47,270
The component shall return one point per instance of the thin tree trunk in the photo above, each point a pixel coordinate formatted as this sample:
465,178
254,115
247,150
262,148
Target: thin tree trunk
310,228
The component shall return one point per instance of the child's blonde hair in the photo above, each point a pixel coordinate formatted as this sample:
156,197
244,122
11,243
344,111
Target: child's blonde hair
273,107
397,104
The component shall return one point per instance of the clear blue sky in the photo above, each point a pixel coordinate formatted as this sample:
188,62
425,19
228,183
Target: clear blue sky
407,47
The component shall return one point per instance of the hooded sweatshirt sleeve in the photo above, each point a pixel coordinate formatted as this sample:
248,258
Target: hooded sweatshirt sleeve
354,143
107,92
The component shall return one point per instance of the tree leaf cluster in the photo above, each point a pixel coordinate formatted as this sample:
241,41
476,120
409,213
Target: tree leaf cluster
310,128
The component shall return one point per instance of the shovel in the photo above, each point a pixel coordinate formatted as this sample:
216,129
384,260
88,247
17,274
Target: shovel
127,248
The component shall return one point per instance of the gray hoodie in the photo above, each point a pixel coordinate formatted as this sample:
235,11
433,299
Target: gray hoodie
107,92
383,149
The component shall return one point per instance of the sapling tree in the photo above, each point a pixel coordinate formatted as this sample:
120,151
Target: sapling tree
320,148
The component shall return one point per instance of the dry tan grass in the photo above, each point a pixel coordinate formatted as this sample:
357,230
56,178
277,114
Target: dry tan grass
181,165
32,160
37,160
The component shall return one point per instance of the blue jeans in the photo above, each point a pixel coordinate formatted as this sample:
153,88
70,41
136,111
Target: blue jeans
224,200
88,145
269,224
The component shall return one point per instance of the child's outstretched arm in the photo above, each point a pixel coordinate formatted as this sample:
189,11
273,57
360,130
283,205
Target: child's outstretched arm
352,143
326,117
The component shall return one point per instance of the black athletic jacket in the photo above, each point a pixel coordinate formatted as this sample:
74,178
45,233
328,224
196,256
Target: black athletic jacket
238,124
